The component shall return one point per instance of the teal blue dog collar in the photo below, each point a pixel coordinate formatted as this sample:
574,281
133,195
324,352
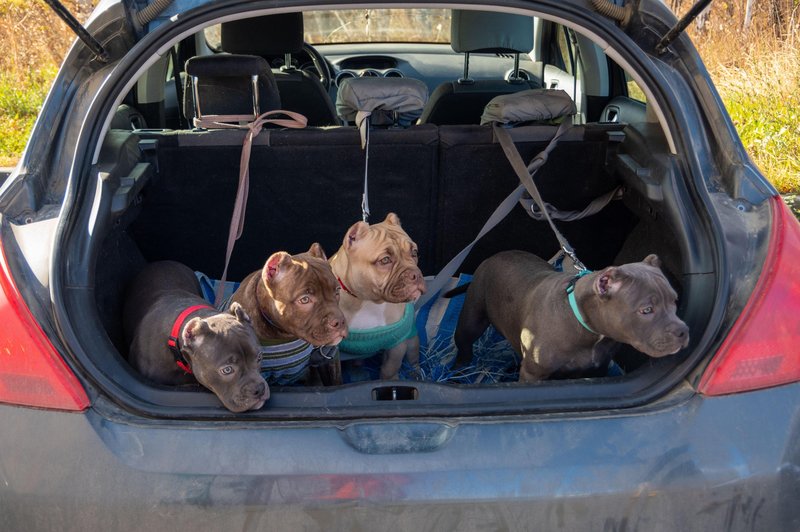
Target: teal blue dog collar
573,303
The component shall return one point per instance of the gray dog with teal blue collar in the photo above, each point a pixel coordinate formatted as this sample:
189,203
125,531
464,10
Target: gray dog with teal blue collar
560,322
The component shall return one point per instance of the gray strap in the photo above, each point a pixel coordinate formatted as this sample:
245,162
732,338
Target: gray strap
525,175
505,207
502,210
597,205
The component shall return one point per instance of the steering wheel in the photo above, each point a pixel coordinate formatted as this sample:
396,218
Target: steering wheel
323,69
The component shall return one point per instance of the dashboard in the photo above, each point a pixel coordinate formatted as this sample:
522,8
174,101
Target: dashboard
432,64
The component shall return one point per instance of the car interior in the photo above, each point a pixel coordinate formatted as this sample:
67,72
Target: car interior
172,185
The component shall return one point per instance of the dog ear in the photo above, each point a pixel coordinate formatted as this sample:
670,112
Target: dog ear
609,282
356,232
237,310
392,219
193,333
276,266
652,260
316,251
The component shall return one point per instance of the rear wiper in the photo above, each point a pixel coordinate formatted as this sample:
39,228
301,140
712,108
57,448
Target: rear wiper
79,30
676,30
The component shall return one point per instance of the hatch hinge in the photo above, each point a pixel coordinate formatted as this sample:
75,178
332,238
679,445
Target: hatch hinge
678,28
79,30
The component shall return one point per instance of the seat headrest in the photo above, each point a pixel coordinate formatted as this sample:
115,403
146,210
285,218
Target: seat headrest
534,105
226,66
225,85
383,97
266,35
484,31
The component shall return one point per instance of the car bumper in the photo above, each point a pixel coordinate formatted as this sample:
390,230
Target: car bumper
724,463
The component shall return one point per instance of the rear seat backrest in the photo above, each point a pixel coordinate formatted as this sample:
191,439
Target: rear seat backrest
305,186
475,176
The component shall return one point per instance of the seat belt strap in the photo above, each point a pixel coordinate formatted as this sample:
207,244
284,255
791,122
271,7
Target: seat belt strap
596,205
502,210
525,175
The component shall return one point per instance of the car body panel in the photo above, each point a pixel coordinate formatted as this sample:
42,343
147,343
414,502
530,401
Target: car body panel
673,467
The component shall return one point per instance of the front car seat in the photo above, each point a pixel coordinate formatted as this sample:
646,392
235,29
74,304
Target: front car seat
463,101
282,35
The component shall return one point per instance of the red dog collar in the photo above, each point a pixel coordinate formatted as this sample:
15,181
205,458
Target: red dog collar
345,288
172,341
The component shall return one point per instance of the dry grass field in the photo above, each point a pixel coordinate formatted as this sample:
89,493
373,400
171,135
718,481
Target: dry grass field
756,71
34,41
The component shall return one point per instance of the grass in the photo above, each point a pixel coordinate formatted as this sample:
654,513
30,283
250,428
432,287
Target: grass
34,41
759,81
757,74
20,100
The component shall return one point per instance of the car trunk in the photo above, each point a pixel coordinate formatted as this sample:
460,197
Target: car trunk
169,194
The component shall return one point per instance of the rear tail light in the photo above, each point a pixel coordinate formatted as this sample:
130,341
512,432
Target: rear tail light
763,347
31,371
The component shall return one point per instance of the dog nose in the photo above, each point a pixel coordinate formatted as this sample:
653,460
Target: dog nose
334,323
681,331
258,391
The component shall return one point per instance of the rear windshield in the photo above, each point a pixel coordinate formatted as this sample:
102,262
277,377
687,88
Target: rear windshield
377,25
367,25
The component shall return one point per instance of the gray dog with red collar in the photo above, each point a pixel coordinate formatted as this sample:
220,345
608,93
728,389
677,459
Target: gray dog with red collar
175,338
557,321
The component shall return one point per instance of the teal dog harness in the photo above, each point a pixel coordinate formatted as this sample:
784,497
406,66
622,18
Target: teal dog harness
362,343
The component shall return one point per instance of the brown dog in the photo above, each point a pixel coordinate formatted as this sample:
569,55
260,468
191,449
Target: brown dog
529,304
175,337
294,305
376,267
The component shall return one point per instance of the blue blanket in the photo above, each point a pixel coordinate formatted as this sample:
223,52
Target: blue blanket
494,360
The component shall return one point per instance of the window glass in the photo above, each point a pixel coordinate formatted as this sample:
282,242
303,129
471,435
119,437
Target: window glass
377,25
634,91
564,48
367,25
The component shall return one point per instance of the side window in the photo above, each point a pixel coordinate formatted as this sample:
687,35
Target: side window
563,69
634,91
213,35
564,50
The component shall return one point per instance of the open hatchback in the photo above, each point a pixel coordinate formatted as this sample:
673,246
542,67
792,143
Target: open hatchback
124,168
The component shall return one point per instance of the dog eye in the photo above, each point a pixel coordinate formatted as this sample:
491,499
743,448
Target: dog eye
226,370
385,260
304,300
259,357
415,253
646,310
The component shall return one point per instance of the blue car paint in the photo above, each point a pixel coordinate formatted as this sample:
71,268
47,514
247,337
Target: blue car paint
670,468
